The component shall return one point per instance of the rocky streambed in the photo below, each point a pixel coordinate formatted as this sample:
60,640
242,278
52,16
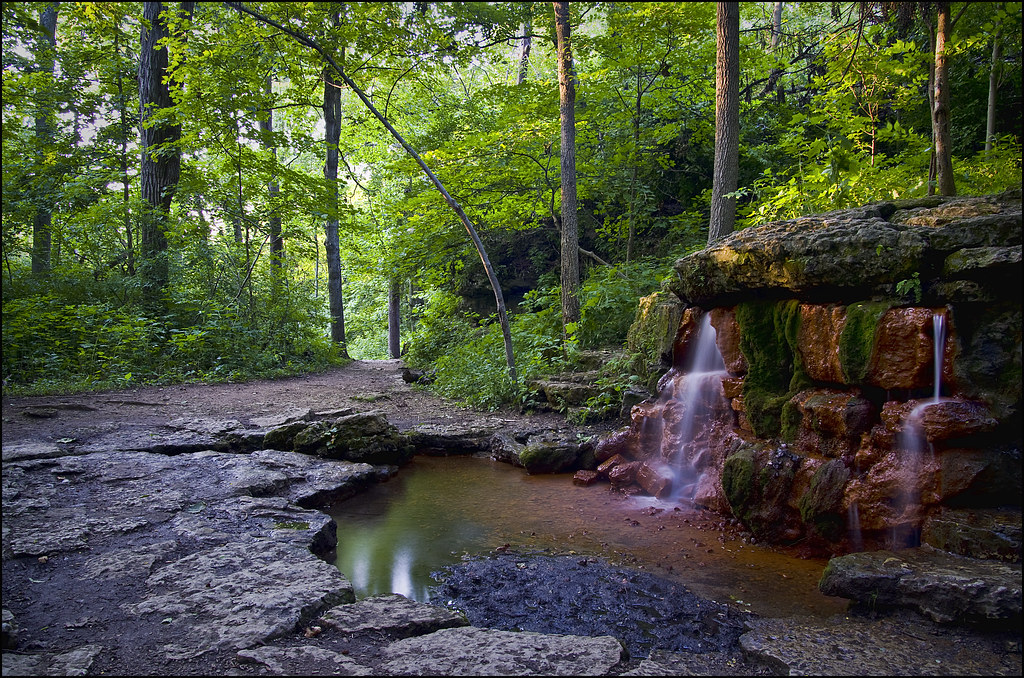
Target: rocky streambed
190,549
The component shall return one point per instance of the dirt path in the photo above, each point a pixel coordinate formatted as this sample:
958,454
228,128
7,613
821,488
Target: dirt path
362,384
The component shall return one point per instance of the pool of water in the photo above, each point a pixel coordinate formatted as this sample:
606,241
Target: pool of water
438,510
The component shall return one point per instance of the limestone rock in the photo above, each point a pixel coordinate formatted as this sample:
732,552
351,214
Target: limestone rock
940,585
391,613
294,661
239,595
978,533
818,341
486,652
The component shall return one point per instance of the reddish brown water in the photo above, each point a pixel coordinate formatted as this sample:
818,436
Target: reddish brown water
438,509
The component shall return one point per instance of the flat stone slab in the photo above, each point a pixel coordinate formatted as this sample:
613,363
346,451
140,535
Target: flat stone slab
392,613
871,647
295,661
74,662
940,585
239,595
471,651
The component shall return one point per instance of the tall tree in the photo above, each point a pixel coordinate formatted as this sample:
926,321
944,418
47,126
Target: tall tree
332,125
940,115
524,54
570,268
993,87
394,318
159,137
42,222
727,121
273,191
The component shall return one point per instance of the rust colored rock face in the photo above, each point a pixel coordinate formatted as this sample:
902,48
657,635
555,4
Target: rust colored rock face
818,341
655,478
624,474
903,357
606,466
616,443
732,387
832,421
727,336
944,420
684,342
956,419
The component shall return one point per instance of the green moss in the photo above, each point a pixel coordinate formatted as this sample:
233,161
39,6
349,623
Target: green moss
738,481
821,505
857,340
291,525
768,340
791,419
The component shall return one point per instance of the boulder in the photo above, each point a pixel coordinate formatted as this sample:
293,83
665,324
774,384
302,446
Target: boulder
940,585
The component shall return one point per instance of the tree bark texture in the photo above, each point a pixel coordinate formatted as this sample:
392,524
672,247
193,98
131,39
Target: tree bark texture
42,222
727,121
993,88
570,273
161,158
524,54
332,124
943,138
394,319
273,190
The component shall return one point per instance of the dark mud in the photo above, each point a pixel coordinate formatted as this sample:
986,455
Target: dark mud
573,594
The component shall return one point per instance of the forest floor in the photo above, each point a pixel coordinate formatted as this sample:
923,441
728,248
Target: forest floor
363,385
366,386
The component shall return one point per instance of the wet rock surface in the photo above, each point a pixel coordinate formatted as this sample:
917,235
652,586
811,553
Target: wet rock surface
586,596
940,585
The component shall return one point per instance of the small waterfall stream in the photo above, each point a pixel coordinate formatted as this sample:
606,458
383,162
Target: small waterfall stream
698,399
917,450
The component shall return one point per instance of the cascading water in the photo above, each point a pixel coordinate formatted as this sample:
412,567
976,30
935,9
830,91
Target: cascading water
696,400
917,450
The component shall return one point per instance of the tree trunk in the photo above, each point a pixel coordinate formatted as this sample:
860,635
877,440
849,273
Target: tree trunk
993,87
42,222
332,124
122,107
570,220
161,158
776,75
524,55
273,190
943,140
727,121
394,319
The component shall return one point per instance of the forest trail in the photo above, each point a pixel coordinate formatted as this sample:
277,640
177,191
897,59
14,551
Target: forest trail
363,385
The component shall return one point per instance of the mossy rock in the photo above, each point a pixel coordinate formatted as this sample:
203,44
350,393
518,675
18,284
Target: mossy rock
857,341
283,437
821,505
768,340
757,485
544,454
366,438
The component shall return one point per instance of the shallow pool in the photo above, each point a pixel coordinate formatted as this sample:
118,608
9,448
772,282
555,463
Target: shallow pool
440,509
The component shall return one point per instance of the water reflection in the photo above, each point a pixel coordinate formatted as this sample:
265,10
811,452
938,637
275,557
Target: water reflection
438,509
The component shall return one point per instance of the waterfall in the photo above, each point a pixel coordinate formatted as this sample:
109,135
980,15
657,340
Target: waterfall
697,400
939,341
914,444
